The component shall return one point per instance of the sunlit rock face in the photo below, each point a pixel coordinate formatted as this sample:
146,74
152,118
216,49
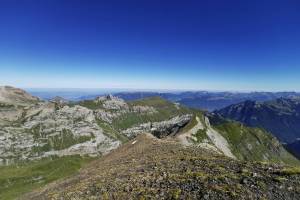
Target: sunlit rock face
33,129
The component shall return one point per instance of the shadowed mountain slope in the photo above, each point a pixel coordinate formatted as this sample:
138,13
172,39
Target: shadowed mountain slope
281,117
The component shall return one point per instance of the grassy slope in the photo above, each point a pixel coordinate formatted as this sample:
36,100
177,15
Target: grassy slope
58,142
16,180
166,110
111,132
254,144
246,143
193,122
91,104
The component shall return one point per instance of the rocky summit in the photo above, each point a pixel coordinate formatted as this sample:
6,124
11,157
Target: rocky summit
14,96
141,149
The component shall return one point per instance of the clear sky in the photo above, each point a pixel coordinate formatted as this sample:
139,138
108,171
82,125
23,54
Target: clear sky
151,44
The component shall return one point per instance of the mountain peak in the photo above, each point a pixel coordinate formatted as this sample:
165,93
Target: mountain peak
268,115
16,96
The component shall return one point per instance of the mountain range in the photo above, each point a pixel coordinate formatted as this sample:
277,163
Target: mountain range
43,141
204,100
281,117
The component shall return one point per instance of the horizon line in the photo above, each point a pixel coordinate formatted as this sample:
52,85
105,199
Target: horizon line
159,90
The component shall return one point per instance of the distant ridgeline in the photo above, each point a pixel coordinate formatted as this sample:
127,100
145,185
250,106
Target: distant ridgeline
202,100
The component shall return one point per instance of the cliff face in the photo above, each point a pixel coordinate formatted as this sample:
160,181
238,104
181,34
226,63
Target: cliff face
32,129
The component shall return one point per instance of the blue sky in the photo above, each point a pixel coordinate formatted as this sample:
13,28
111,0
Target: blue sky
151,44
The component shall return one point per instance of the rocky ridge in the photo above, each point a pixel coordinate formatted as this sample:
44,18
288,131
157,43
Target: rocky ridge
33,129
14,96
159,129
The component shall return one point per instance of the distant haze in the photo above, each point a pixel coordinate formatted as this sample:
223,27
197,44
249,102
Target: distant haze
194,99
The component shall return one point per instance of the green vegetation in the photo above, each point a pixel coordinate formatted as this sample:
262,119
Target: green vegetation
131,119
4,105
165,110
41,149
289,171
164,107
61,141
157,102
16,180
201,135
36,132
193,122
254,144
66,139
111,132
91,104
190,125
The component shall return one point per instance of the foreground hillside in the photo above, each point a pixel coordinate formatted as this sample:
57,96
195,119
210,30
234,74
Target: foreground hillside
150,168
